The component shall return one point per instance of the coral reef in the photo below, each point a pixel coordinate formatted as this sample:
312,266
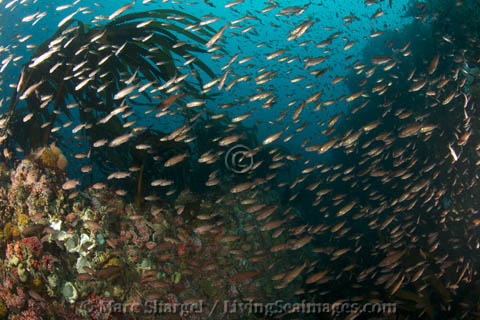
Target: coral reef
52,157
96,250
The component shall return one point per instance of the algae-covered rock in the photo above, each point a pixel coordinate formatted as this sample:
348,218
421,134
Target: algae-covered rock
176,276
3,310
189,202
207,287
146,264
113,262
4,173
22,272
23,220
53,280
268,288
52,157
37,284
118,291
186,197
82,262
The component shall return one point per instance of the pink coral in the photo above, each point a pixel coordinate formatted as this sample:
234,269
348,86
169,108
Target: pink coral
123,236
144,233
15,301
29,315
32,186
182,249
47,262
98,308
10,250
34,245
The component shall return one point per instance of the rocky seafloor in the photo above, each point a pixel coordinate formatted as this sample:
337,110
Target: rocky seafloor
89,254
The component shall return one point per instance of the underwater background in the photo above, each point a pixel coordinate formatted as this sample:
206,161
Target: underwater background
239,160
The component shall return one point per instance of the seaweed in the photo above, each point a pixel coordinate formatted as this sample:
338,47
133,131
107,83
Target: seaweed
89,66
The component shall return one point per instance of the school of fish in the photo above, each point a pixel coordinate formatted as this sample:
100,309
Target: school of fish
392,201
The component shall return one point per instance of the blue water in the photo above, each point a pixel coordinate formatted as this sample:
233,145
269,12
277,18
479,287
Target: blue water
323,13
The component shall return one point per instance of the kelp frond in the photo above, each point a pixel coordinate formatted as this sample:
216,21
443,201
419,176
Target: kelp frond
89,66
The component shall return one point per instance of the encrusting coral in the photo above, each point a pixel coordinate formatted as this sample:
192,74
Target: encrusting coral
95,247
52,157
